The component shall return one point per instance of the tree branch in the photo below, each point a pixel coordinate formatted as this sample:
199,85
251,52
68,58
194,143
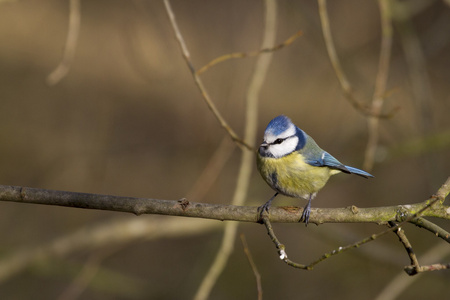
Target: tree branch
399,213
185,208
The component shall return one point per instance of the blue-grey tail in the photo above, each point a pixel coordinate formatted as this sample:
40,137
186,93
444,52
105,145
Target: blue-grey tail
359,172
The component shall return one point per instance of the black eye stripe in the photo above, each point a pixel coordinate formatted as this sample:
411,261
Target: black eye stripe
280,140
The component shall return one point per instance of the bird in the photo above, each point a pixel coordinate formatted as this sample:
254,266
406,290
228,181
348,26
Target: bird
292,164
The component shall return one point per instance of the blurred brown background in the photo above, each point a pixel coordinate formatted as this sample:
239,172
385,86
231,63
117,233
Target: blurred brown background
128,120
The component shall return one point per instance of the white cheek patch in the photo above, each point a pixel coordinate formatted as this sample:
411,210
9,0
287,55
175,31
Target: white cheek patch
286,147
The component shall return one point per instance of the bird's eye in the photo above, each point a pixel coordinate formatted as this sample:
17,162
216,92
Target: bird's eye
278,141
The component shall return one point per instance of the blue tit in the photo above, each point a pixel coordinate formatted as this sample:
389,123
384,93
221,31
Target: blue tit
293,164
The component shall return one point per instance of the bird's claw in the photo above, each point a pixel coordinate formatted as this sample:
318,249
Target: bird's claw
261,210
305,216
306,212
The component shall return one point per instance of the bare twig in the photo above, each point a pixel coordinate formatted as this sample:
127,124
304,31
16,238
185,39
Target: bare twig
404,240
375,236
71,42
226,57
413,270
198,81
380,82
443,191
282,249
430,226
400,283
253,266
344,82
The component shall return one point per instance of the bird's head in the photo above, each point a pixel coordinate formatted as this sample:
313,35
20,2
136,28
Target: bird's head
281,138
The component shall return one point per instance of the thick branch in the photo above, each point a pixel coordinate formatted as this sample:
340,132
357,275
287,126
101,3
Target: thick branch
186,208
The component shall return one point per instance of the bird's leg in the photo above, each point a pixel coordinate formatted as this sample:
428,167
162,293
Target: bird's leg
265,207
306,211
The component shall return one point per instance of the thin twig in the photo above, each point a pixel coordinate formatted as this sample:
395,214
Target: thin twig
400,282
344,82
430,226
199,82
375,236
71,42
253,266
226,57
380,82
412,270
443,191
282,249
405,241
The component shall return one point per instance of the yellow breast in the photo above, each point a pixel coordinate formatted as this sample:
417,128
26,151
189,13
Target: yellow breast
291,176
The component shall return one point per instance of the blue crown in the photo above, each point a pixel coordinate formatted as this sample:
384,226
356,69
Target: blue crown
279,125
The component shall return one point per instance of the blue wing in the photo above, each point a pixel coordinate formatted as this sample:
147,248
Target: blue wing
315,156
327,160
359,172
324,159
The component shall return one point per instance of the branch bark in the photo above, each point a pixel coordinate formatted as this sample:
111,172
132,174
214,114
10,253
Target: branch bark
186,208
